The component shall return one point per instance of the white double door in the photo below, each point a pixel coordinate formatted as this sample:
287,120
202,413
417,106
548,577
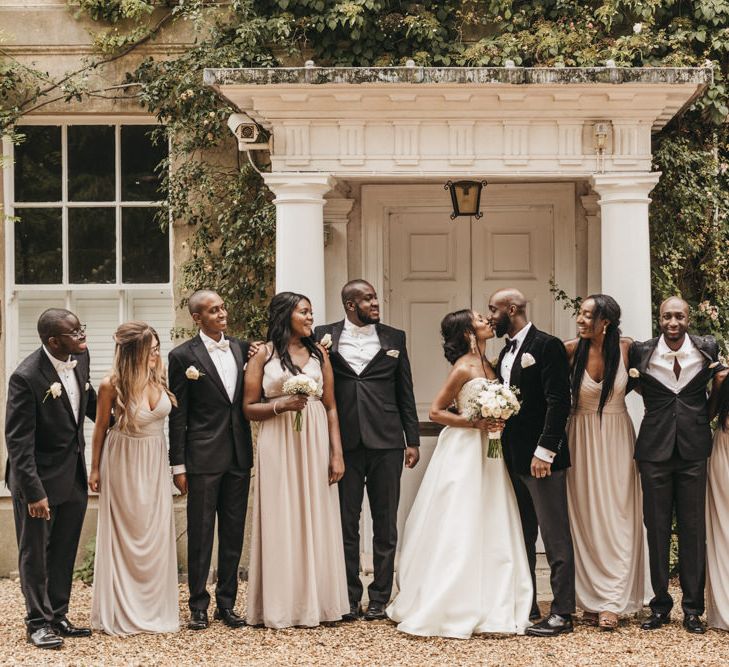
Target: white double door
433,265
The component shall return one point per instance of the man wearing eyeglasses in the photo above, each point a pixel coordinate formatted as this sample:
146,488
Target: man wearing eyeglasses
49,396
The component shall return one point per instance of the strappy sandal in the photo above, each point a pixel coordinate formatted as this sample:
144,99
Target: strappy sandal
607,620
590,618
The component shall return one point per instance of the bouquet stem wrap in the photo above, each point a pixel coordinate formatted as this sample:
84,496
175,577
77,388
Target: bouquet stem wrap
494,450
298,420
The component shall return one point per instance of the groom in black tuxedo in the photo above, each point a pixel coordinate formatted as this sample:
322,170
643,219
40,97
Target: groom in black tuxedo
49,396
535,449
673,445
378,420
211,454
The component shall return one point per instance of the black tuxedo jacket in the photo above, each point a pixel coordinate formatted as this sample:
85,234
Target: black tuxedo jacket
208,432
377,406
544,392
44,440
674,420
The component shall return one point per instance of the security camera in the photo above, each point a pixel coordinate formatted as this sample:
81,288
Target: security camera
245,130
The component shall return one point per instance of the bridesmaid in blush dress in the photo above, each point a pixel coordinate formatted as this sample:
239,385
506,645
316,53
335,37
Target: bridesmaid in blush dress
135,573
717,511
296,575
603,487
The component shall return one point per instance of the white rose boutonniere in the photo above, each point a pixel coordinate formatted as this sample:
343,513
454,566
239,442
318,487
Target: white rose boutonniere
193,373
54,391
634,373
527,360
326,341
714,365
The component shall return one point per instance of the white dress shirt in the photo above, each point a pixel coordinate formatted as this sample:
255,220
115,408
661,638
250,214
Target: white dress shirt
507,364
224,363
68,380
358,345
223,360
661,364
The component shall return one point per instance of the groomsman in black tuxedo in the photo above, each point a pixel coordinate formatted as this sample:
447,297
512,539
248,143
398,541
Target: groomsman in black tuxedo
673,445
535,449
378,420
211,454
49,397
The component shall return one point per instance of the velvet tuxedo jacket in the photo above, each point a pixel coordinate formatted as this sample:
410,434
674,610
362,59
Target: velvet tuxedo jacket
377,406
674,421
544,392
43,438
208,432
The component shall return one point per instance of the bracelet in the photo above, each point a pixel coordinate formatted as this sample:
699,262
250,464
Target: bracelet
275,403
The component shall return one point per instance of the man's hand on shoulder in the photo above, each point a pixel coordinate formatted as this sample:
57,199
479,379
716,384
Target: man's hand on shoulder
254,347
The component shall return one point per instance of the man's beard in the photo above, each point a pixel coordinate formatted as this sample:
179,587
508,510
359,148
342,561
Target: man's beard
502,326
364,317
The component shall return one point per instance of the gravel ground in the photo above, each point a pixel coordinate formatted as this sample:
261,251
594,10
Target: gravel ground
359,643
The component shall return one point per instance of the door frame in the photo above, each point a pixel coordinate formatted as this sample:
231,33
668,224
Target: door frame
381,201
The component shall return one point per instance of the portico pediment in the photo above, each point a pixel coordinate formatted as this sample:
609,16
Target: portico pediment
352,122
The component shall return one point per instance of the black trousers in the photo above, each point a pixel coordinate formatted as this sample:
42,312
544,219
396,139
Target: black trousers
543,504
47,552
224,495
379,471
678,484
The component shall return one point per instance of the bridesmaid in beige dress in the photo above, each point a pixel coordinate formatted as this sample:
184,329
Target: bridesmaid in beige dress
135,573
296,575
603,487
717,511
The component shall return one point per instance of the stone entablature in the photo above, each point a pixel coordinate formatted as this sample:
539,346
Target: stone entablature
485,121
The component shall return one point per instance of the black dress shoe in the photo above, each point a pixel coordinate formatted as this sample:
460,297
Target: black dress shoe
229,617
694,624
355,612
198,619
64,628
44,637
375,612
656,620
551,626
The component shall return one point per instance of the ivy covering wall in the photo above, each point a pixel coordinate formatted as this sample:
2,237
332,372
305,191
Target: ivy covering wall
229,211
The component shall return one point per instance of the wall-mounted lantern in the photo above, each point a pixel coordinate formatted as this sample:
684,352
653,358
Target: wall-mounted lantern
466,198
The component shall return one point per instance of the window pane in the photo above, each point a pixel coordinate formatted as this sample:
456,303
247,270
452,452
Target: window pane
91,163
91,245
38,164
145,247
38,244
139,157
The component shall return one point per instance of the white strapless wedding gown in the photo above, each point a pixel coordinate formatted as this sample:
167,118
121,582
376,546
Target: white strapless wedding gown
463,567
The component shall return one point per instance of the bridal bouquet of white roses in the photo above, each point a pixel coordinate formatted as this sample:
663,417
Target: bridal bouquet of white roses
304,385
495,401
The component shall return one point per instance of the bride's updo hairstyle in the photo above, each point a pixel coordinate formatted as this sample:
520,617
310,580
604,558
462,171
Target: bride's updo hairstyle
454,329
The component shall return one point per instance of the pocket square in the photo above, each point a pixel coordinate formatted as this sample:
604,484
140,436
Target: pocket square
393,353
527,360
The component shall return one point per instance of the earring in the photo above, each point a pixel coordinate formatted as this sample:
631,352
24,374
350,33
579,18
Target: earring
604,330
474,347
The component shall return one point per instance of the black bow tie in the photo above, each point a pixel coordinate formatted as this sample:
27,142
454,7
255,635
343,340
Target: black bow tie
510,345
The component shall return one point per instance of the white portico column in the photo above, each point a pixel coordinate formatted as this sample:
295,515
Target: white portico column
300,235
625,246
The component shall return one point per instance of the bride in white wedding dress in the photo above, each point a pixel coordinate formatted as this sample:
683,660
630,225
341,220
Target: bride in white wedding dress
463,568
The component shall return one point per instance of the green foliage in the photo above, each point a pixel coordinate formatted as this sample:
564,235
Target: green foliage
85,571
227,209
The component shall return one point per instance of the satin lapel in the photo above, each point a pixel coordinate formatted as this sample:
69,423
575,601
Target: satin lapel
498,363
524,347
206,362
82,391
50,374
337,329
235,348
385,344
643,368
698,345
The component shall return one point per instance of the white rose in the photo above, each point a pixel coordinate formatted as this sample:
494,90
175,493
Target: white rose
192,373
326,341
56,389
634,373
637,28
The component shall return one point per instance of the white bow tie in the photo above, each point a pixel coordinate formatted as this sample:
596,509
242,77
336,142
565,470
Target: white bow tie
223,345
66,365
679,354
